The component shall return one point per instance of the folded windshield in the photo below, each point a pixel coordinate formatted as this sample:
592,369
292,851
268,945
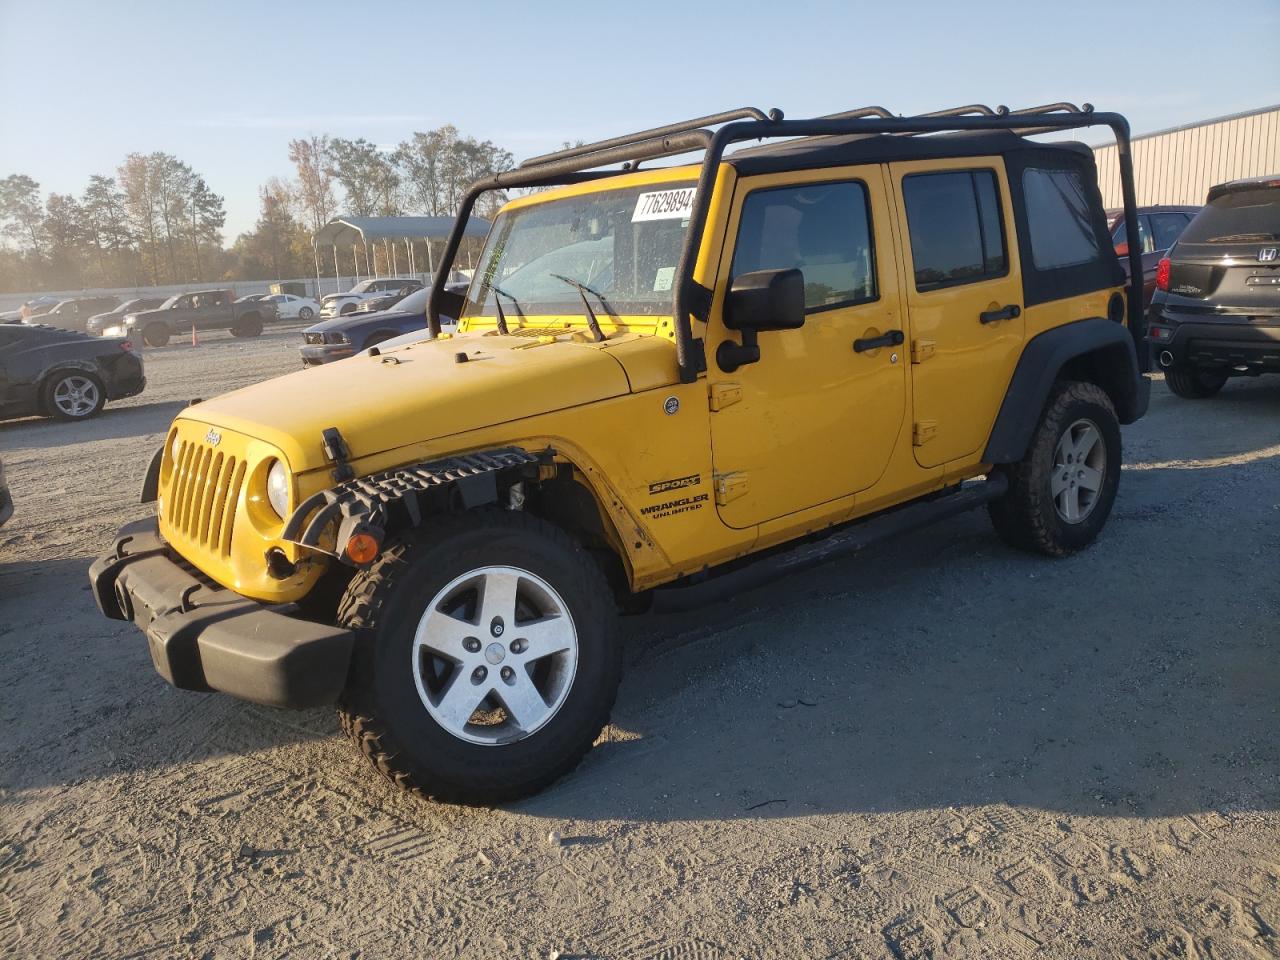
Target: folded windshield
623,245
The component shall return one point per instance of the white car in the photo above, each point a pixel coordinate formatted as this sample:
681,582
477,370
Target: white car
340,304
293,308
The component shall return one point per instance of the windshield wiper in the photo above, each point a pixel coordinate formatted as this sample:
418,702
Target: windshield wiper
1243,237
596,333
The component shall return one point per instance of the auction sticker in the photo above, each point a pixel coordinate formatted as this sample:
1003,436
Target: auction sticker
664,205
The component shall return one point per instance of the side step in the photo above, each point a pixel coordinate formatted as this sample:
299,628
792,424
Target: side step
852,538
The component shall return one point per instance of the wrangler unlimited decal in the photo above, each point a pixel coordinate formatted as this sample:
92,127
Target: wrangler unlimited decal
672,507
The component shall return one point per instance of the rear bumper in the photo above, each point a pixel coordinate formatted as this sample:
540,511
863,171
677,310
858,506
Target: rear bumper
1241,347
203,637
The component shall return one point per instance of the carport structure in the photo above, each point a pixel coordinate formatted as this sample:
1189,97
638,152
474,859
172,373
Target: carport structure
360,232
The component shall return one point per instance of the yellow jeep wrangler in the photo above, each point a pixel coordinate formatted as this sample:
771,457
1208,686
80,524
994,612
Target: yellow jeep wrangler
864,323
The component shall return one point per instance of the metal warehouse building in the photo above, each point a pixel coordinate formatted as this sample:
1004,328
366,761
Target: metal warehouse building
1179,165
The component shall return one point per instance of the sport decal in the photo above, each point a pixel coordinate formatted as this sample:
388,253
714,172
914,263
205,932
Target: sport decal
679,483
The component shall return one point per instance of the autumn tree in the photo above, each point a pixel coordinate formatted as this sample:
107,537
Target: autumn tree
313,160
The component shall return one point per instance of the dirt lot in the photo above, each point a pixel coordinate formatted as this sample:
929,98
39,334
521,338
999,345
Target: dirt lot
937,748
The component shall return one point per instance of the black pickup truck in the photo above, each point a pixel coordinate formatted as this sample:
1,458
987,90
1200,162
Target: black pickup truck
203,310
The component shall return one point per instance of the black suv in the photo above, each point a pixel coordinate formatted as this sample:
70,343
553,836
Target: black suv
1216,310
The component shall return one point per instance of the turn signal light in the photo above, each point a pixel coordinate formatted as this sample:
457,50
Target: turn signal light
362,549
1162,274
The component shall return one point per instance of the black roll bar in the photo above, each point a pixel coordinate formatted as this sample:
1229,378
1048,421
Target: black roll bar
574,164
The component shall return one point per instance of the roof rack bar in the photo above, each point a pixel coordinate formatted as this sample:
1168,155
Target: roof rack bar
1062,107
742,113
858,114
979,108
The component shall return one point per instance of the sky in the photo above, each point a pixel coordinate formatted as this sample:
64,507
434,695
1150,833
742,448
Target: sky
226,85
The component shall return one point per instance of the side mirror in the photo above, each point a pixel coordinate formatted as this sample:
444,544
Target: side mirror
766,300
763,300
1122,249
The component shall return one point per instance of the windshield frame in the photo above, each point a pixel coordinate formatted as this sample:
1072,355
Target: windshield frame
567,308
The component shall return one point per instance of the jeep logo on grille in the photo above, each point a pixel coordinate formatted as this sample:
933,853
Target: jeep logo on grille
1266,254
213,437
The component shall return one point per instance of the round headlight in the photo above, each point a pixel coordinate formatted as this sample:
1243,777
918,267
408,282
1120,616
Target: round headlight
278,488
173,450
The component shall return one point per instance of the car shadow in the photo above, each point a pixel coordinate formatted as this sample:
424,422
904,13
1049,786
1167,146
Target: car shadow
113,423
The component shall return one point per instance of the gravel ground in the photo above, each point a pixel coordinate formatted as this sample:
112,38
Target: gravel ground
937,748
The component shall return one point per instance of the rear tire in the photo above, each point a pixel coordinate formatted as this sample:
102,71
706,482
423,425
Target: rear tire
1193,383
156,335
248,326
73,395
408,706
1061,492
306,313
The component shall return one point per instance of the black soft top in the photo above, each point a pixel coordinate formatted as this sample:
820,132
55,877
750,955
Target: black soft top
817,152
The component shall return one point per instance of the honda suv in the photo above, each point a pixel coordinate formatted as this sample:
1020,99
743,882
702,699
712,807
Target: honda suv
1216,310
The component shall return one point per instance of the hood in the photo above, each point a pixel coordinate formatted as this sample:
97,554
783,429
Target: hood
353,320
421,392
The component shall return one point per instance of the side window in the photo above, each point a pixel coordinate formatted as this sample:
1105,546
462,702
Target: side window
957,232
1165,228
1059,219
822,229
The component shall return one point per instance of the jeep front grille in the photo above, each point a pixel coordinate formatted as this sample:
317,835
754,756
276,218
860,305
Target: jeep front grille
201,507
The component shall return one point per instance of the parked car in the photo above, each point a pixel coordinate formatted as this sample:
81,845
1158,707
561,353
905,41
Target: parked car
384,302
344,336
893,335
64,373
1216,310
6,501
101,323
74,313
292,307
203,310
32,308
340,304
1158,228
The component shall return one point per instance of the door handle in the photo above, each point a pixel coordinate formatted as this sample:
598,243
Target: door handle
1011,312
890,338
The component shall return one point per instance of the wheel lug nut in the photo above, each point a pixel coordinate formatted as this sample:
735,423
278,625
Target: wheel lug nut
508,675
496,627
471,645
519,646
479,674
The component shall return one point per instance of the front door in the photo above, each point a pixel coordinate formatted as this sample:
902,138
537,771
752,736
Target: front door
964,298
815,419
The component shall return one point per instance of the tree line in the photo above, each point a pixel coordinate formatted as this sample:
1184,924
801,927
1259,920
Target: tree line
157,221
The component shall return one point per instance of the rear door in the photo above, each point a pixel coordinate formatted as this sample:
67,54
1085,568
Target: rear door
964,297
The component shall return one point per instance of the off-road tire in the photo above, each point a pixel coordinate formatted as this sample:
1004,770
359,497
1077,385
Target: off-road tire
1025,516
1193,383
380,708
248,326
156,335
50,387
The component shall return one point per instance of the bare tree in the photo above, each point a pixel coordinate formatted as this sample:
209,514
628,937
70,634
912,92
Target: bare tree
21,212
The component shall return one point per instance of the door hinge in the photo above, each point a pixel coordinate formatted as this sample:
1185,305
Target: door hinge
729,487
725,395
925,431
922,350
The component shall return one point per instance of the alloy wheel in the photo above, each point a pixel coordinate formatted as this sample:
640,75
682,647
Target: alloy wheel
1079,467
76,396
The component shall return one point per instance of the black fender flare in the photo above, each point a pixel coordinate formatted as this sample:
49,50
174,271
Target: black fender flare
1105,344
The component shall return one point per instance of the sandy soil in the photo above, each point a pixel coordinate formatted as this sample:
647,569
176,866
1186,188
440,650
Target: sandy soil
938,748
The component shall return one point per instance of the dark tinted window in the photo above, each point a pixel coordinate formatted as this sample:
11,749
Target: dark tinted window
957,233
1252,214
823,229
1165,228
1059,218
1119,234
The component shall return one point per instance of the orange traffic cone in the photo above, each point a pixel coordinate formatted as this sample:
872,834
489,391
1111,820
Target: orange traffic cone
195,338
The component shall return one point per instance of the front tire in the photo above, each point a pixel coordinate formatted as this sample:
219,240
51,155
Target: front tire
156,335
1061,493
486,658
1193,383
306,313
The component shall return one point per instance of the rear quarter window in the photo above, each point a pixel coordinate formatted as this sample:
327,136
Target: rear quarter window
1059,218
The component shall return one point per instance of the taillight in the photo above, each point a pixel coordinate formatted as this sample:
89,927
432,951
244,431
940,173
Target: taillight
127,346
1162,274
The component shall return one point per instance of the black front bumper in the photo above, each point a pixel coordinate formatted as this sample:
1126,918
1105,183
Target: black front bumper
1238,345
203,637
